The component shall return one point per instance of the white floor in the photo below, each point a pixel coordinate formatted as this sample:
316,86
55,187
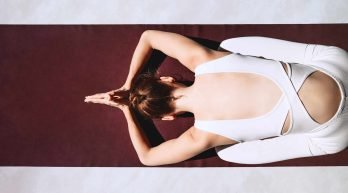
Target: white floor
171,12
109,180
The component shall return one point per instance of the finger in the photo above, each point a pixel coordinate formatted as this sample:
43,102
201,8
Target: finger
100,101
111,103
97,96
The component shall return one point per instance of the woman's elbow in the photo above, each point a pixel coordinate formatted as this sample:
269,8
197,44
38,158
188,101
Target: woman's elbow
146,34
146,160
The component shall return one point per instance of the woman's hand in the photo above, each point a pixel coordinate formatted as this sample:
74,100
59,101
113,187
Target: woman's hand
116,98
121,93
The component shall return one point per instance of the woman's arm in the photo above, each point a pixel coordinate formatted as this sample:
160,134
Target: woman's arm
282,50
187,51
141,54
285,147
269,150
330,59
190,143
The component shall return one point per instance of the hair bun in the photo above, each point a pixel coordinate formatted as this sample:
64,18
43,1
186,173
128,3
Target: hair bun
136,99
141,98
151,97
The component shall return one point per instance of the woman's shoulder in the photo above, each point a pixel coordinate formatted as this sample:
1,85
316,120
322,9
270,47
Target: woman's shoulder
209,57
210,138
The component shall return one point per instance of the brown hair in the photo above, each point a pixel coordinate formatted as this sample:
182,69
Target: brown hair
151,97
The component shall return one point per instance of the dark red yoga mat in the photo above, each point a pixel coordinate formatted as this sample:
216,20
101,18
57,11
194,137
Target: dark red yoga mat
47,70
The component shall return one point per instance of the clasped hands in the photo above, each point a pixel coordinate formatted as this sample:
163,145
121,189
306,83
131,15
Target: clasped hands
116,98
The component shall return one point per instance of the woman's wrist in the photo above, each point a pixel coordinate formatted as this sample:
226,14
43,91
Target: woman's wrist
127,85
126,109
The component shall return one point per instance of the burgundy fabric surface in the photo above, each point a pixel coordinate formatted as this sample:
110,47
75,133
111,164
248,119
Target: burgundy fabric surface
47,70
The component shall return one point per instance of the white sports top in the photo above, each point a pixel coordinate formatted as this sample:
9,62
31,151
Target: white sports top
305,137
269,124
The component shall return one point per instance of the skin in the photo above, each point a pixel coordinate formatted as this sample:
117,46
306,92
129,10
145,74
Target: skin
243,91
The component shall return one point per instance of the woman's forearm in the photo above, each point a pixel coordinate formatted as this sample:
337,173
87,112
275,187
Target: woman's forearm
140,56
139,141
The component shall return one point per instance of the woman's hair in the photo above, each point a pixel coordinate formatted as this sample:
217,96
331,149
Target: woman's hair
151,97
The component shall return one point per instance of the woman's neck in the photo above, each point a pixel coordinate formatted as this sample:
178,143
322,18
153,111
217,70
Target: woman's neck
184,98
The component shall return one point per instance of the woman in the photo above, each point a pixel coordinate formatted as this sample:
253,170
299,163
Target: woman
288,104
